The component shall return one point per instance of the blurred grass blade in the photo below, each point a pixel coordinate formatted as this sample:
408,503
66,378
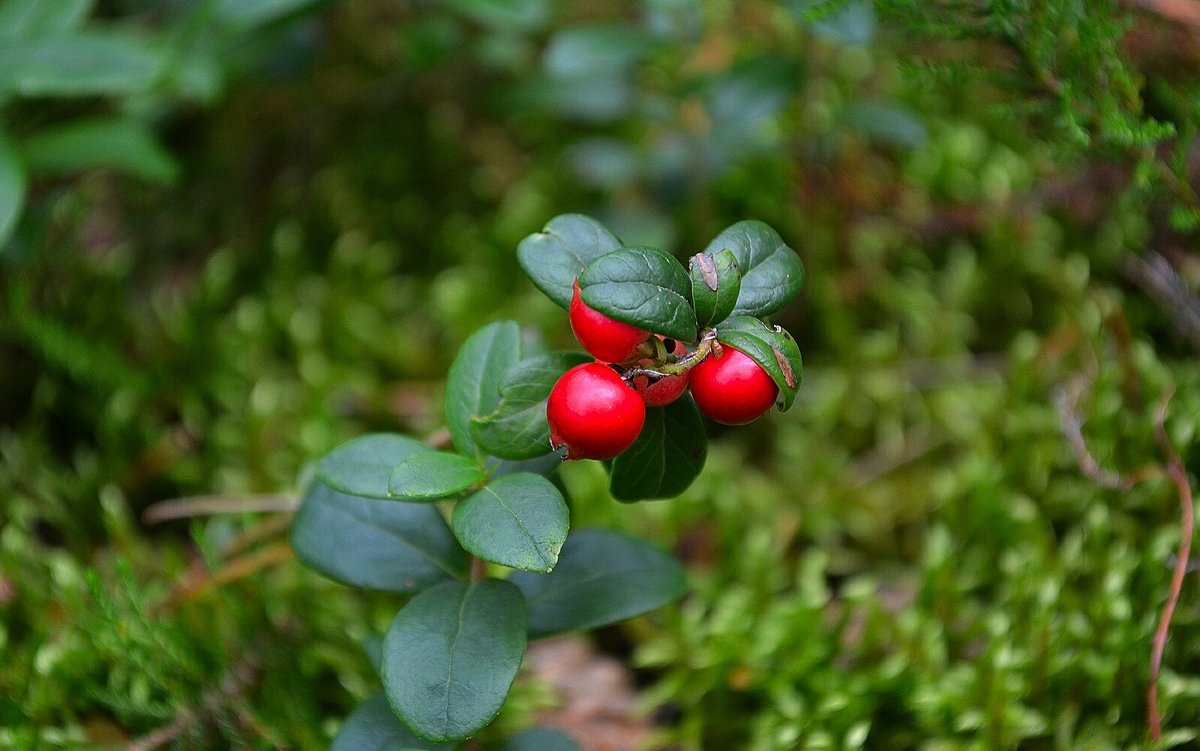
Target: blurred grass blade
12,188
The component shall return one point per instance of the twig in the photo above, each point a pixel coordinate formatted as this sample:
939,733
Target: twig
1067,400
243,674
236,569
1162,284
208,505
1176,473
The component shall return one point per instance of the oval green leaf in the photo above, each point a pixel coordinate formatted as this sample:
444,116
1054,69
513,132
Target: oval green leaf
120,144
80,64
518,428
392,547
34,18
520,520
602,577
771,347
667,456
716,283
430,475
372,726
556,256
473,381
540,739
12,188
450,657
772,273
363,466
645,287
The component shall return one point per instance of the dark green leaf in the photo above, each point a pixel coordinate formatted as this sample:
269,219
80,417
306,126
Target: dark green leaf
394,547
374,727
579,51
430,475
848,23
595,99
542,465
505,15
716,282
518,428
665,458
79,64
645,287
602,577
520,521
450,657
364,465
117,143
890,123
12,188
771,271
554,257
248,14
40,18
540,739
769,346
473,382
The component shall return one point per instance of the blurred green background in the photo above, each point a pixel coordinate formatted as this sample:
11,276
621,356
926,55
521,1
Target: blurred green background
235,233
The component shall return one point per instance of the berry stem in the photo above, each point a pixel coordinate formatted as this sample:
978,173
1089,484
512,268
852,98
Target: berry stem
708,344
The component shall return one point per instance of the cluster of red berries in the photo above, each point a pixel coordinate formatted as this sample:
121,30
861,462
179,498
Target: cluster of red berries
597,410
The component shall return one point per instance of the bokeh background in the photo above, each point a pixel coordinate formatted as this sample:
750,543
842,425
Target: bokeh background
235,233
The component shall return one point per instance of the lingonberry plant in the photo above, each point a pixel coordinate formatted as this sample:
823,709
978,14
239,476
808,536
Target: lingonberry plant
506,568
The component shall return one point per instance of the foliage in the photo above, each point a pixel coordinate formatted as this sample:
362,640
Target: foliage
908,557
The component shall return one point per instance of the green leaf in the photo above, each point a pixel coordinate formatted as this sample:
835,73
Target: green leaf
505,15
645,287
602,577
518,428
771,271
121,144
890,123
392,547
12,188
364,466
450,657
86,63
249,14
430,475
473,382
554,257
520,520
716,283
666,457
579,51
540,739
372,726
769,346
40,18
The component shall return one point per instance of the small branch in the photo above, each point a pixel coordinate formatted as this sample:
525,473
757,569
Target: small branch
1176,473
241,676
208,505
708,344
1067,400
478,569
239,568
1162,284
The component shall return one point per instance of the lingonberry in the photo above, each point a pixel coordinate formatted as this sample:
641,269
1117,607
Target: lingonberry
660,392
732,388
606,339
593,413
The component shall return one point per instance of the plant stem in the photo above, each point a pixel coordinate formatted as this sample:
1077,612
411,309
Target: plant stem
478,569
708,344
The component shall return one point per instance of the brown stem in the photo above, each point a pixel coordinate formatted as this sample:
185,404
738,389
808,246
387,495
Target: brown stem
1176,473
478,569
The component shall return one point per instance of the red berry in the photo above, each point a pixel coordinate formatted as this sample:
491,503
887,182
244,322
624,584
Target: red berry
605,339
662,391
732,388
593,413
